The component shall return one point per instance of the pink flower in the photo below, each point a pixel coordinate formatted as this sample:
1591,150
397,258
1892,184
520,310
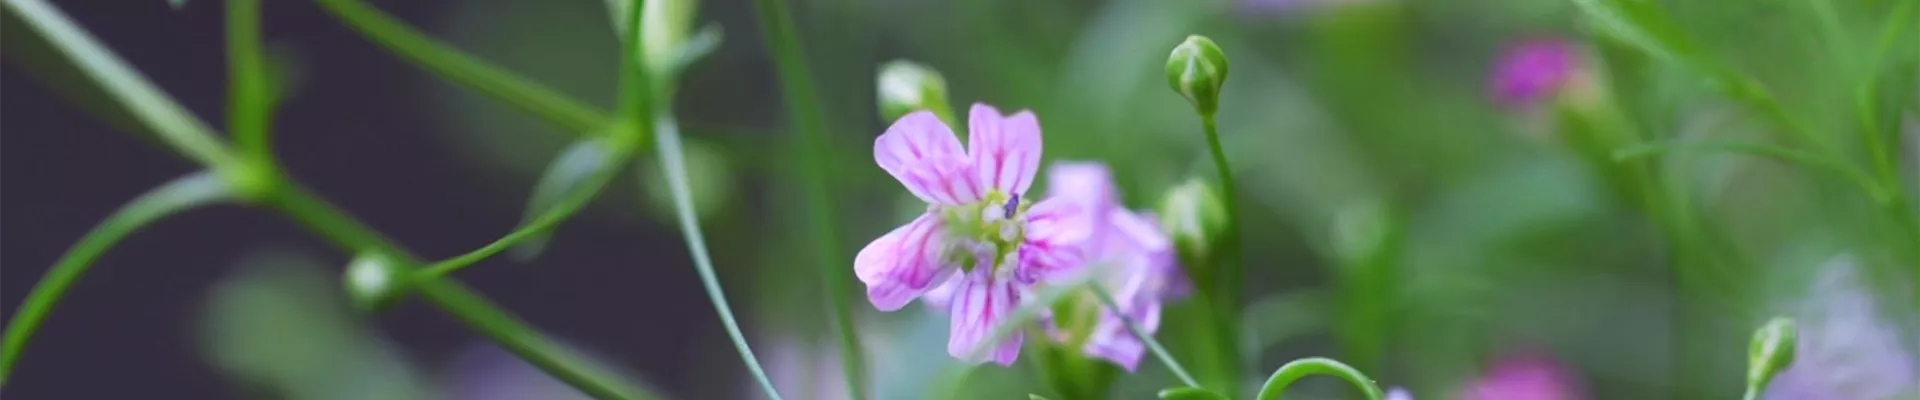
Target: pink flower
980,240
1532,71
1525,377
1129,256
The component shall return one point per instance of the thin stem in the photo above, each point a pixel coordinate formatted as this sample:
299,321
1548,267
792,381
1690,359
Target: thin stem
613,159
465,70
188,192
173,124
672,160
1301,368
248,103
803,111
1225,285
512,334
1158,351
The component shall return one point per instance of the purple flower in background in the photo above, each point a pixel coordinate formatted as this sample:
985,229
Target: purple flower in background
1398,394
1533,70
1130,257
980,238
1846,350
1530,376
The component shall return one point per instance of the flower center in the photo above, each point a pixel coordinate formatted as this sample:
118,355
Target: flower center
989,229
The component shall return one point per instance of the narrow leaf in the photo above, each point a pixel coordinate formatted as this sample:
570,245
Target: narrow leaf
188,192
566,177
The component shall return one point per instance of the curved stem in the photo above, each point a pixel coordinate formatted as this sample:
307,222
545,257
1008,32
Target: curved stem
803,111
465,70
1300,368
672,161
195,190
612,160
1158,351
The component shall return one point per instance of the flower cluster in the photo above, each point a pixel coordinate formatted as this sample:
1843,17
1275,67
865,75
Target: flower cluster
983,246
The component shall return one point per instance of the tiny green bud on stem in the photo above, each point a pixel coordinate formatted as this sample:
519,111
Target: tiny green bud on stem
1195,217
1772,351
375,280
1196,69
906,86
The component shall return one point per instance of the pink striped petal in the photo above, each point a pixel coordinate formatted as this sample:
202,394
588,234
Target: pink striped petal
902,264
981,302
924,155
1059,234
1005,150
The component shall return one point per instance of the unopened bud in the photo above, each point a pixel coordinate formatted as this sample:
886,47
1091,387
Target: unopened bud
374,281
907,86
1197,68
1772,351
1362,231
1195,217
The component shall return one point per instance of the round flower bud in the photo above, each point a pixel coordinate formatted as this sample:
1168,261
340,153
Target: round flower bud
1771,352
1196,69
375,281
906,86
1195,217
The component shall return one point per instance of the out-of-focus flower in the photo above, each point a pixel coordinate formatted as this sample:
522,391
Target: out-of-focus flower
980,239
1846,350
1525,377
1533,70
1398,394
485,372
1132,258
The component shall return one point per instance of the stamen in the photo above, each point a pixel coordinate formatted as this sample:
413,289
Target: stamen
1013,204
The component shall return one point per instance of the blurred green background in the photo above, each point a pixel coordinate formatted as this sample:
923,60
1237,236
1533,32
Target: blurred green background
1395,215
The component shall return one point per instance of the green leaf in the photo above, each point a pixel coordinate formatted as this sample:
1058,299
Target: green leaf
188,192
1190,393
568,176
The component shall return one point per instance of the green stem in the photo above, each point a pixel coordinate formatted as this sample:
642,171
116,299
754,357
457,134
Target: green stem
1145,337
170,122
248,104
515,336
1806,159
803,110
1228,271
614,158
184,193
672,160
465,70
1301,368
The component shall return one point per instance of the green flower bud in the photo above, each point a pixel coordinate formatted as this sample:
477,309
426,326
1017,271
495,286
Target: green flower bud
1197,68
1771,352
375,281
1361,232
1195,217
906,86
665,27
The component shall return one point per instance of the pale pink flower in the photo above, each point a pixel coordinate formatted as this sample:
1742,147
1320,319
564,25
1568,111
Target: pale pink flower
1129,256
980,239
1530,376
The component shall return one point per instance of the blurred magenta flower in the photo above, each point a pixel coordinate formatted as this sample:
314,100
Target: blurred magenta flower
1847,350
1527,376
1129,255
979,238
1533,70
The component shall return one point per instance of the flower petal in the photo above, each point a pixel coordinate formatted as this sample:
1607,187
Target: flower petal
902,264
924,155
1112,340
981,302
1059,233
1005,150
